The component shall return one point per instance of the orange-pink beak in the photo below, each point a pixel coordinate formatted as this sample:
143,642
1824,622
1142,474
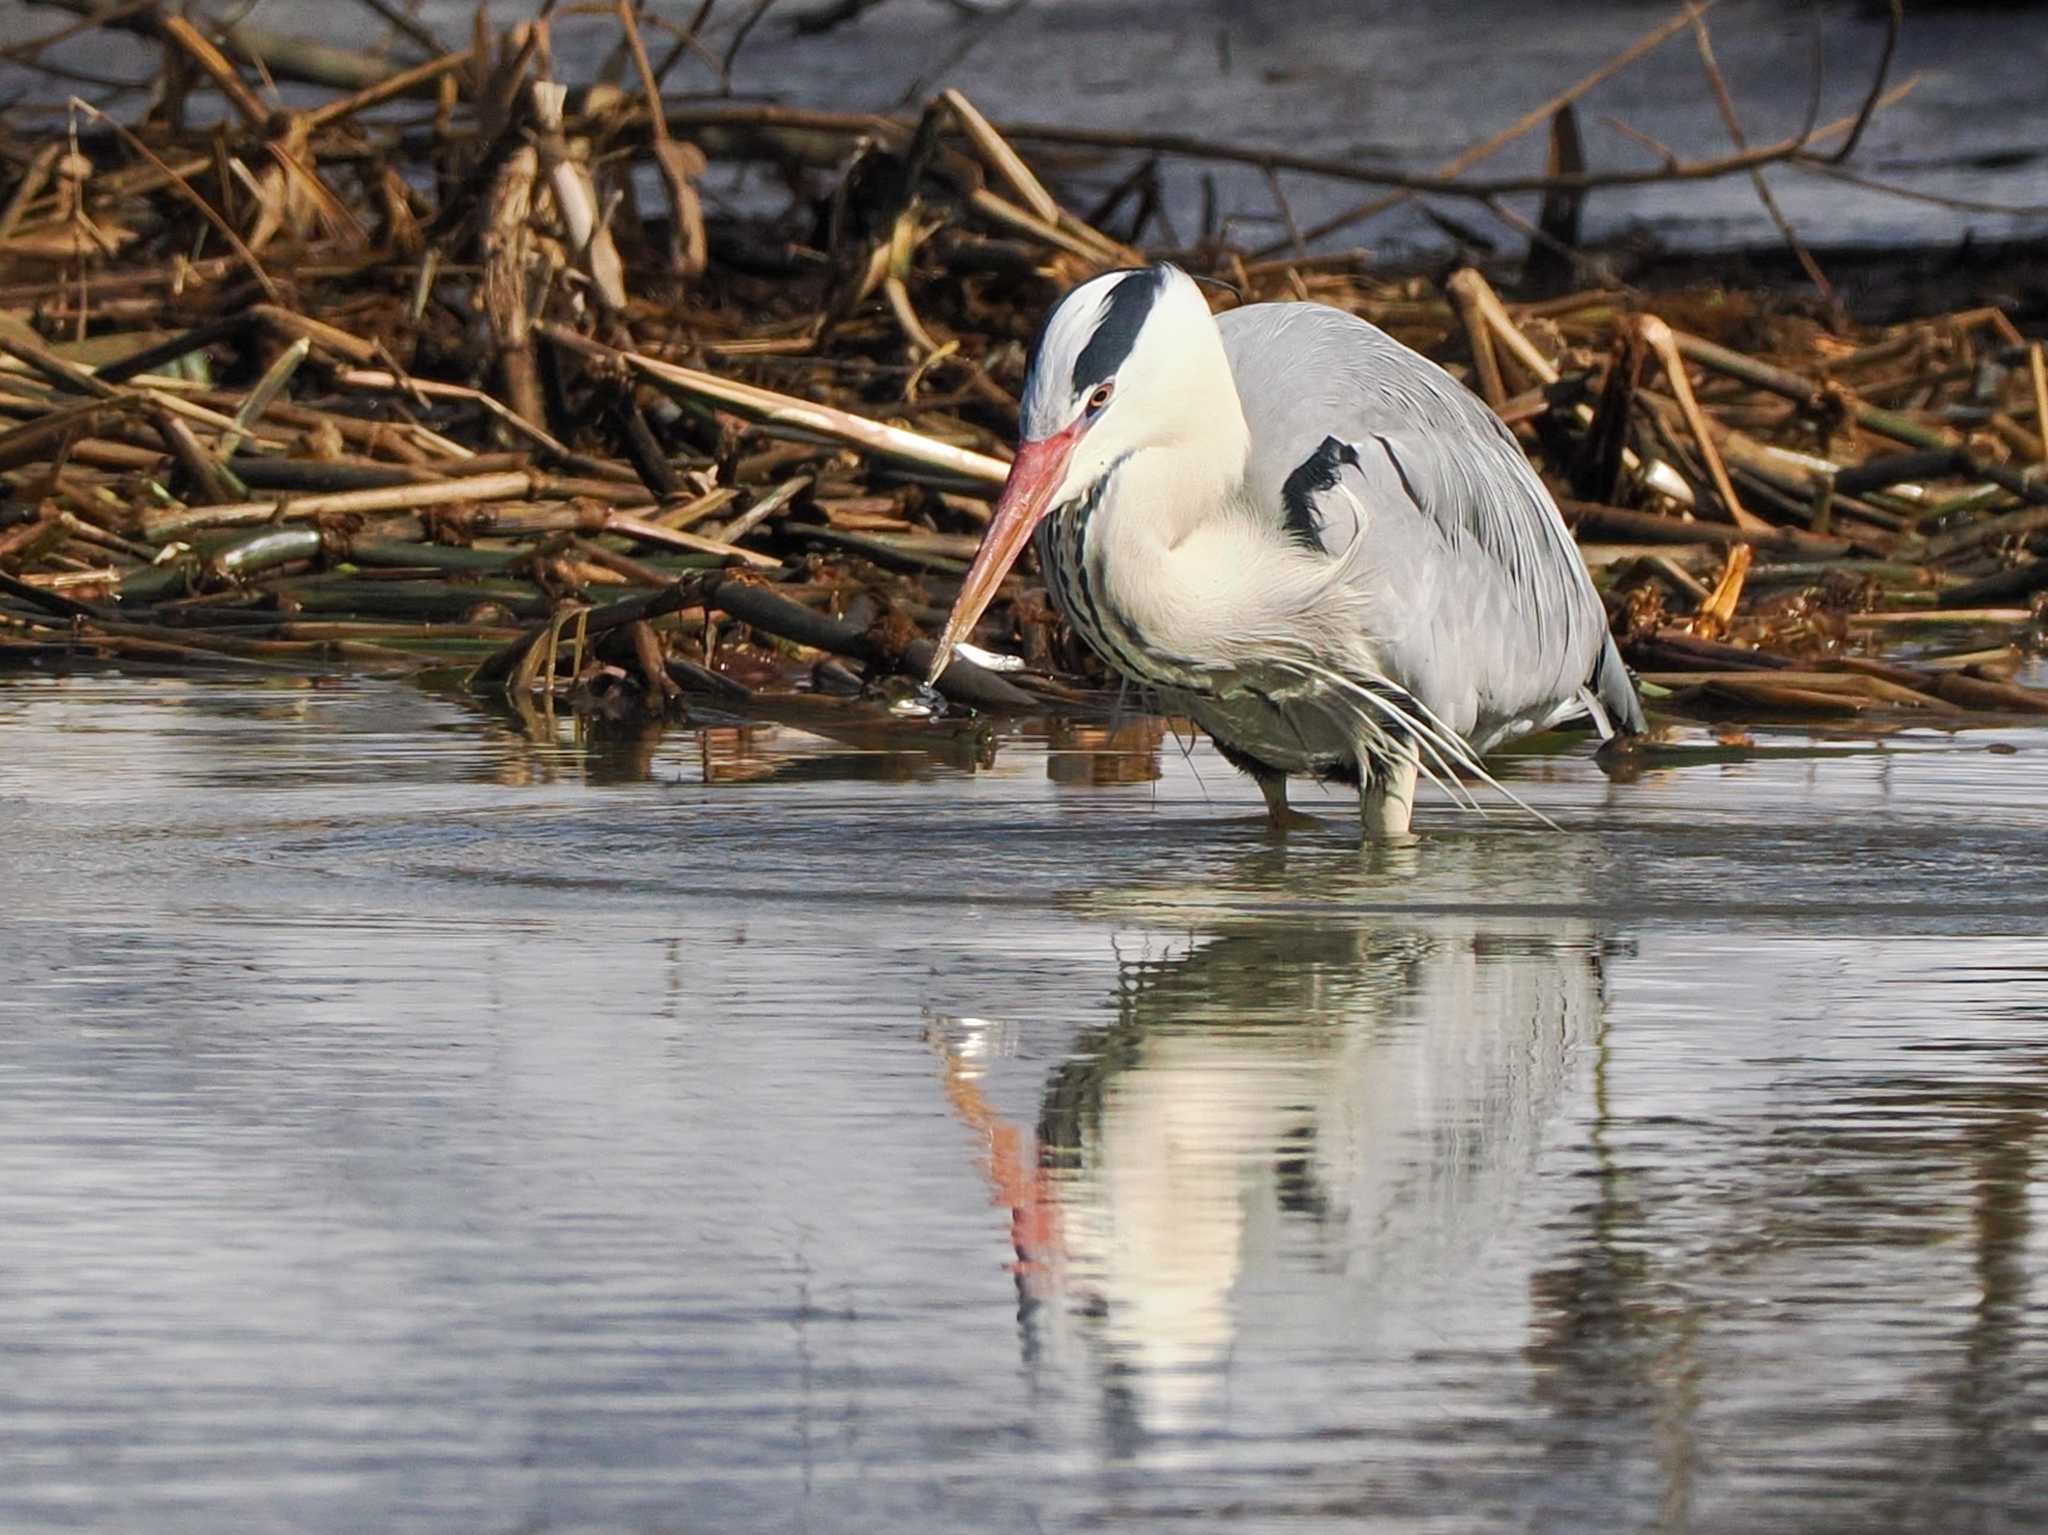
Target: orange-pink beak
1034,479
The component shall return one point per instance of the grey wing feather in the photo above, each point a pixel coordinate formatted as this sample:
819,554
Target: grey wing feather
1482,606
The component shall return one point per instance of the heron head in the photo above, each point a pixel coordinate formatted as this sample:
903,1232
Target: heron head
1119,366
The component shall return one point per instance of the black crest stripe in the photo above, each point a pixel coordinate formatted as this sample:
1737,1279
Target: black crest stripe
1123,314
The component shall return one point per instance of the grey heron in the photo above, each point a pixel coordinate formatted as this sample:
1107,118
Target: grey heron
1307,537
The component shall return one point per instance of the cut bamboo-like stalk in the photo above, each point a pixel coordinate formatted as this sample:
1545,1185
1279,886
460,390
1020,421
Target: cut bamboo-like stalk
996,153
268,388
1479,336
2018,524
2037,369
1934,616
1662,562
1853,684
1792,386
688,513
653,533
213,482
767,506
388,498
2023,442
1478,292
1978,693
786,414
576,199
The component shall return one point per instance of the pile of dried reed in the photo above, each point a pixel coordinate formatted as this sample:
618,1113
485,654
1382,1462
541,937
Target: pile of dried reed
445,365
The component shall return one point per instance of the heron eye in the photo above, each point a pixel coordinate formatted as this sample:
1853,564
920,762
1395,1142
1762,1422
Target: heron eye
1098,399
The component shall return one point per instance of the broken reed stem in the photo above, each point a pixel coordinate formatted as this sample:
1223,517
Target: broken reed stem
1717,612
1804,391
215,66
688,247
414,497
404,83
33,179
1468,287
508,249
435,389
1657,336
997,154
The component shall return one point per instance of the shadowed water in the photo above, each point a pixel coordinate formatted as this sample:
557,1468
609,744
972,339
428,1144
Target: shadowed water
409,1125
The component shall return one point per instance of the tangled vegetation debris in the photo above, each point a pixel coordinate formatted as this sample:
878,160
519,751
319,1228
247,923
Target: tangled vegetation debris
446,365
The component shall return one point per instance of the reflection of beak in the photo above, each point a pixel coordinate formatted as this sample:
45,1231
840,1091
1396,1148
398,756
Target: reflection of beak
1027,494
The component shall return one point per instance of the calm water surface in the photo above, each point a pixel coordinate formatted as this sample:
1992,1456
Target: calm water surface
408,1126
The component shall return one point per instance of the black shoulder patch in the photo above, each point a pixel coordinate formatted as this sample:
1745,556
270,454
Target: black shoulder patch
1313,475
1123,315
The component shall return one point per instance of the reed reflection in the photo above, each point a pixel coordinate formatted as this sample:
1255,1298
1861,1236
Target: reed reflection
1343,1108
789,739
1091,754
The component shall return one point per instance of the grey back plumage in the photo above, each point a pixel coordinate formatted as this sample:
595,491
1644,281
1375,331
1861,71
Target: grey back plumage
1476,598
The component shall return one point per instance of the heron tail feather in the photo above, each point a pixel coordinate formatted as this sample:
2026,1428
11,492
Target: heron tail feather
1616,690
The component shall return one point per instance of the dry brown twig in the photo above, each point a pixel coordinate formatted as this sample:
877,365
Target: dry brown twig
1725,104
679,163
190,194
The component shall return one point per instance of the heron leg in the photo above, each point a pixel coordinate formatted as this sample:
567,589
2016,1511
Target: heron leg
1386,799
1278,816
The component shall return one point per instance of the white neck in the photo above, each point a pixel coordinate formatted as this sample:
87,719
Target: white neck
1171,536
1171,539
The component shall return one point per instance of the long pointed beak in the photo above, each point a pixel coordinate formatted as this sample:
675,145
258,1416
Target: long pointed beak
1034,478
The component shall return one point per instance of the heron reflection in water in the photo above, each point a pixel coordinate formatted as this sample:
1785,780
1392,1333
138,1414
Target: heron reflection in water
1367,1096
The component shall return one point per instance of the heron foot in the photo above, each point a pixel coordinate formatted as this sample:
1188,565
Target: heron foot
1286,819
